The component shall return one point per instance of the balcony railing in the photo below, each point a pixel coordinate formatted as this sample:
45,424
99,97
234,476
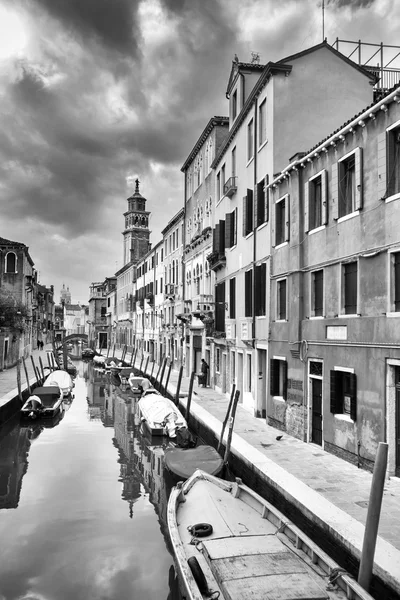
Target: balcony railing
216,260
230,187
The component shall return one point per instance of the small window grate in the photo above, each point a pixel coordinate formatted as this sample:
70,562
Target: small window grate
316,368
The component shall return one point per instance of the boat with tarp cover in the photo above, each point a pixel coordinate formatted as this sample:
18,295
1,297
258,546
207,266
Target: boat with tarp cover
230,543
183,462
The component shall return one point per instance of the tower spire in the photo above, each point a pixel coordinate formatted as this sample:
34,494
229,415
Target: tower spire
137,186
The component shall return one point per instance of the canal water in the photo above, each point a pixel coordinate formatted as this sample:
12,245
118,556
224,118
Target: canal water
83,503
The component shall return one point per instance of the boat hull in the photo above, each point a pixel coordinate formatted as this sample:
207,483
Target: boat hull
251,550
156,412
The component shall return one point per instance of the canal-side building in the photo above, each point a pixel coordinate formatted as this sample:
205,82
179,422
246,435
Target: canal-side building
335,290
97,321
136,244
18,280
198,291
172,328
145,322
110,290
44,314
275,110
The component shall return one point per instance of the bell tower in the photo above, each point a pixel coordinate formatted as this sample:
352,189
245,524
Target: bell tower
136,233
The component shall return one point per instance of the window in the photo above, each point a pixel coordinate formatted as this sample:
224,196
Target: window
261,206
281,300
317,293
282,220
231,229
218,196
234,162
344,393
347,185
217,360
234,105
222,183
395,282
248,293
250,140
232,298
11,262
393,171
248,213
262,123
315,202
278,377
260,286
220,306
350,288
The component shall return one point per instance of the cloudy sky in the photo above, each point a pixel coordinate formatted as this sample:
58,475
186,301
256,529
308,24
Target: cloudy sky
96,92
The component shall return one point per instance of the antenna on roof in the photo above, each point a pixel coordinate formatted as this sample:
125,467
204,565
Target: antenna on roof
255,58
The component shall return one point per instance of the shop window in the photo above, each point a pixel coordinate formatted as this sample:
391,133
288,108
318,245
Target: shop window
343,393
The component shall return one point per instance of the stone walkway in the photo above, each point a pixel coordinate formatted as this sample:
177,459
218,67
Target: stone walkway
331,490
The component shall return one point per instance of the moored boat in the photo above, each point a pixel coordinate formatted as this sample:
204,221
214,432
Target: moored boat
160,415
246,548
140,385
61,379
183,462
44,402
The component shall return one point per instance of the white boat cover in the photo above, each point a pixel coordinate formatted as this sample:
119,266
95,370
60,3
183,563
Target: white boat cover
161,412
60,378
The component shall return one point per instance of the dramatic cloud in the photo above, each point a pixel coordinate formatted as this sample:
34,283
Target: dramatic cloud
96,92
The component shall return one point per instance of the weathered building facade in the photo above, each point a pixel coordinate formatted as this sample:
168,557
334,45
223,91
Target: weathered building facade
335,290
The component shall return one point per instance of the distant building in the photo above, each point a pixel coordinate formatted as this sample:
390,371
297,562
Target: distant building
65,295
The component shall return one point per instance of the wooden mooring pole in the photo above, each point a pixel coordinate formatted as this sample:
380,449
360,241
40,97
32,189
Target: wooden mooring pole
228,412
27,376
145,366
19,379
162,374
189,400
41,367
156,379
231,424
373,514
168,376
178,385
151,374
35,371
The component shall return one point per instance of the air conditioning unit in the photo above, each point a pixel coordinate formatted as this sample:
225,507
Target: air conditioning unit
230,330
246,330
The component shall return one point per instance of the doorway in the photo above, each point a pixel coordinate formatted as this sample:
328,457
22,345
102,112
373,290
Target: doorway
316,411
102,340
262,384
239,385
397,424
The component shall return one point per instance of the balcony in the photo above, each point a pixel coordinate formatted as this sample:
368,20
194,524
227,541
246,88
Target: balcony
246,330
203,302
216,261
230,187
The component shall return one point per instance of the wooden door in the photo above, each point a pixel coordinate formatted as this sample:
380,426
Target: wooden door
397,467
316,418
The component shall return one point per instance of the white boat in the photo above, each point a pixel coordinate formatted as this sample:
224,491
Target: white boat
99,359
43,403
140,386
160,415
62,379
228,540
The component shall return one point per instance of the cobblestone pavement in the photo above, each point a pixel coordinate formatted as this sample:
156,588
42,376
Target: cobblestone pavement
340,483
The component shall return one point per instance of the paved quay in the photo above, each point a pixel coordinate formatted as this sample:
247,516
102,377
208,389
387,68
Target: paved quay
329,491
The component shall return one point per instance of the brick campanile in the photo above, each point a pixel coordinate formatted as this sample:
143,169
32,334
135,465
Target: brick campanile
136,233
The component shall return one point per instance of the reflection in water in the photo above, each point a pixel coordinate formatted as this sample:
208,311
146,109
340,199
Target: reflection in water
91,517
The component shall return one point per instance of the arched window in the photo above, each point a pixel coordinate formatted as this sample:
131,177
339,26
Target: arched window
11,262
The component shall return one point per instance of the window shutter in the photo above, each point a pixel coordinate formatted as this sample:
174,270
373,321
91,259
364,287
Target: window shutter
255,197
232,298
222,237
287,218
353,396
250,209
274,377
335,191
284,379
324,197
382,169
248,293
306,202
244,216
266,199
234,227
216,239
228,230
334,391
359,179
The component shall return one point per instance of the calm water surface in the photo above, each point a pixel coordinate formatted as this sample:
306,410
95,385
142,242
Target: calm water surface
83,503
